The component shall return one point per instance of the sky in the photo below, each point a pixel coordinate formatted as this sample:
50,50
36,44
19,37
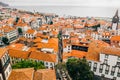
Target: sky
101,3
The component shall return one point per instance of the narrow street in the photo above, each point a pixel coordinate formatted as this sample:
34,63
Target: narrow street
60,47
61,74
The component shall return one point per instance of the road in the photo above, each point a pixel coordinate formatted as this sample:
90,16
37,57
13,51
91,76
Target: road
60,47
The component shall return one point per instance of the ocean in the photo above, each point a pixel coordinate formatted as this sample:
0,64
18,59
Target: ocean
72,10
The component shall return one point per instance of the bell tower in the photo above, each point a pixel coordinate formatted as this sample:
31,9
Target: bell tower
115,21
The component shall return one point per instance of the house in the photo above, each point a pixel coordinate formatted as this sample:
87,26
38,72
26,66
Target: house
108,64
22,74
30,33
10,32
31,74
49,59
115,41
5,66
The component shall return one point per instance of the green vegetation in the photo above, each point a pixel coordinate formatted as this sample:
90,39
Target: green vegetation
17,19
28,64
5,40
58,36
79,69
51,23
61,66
20,31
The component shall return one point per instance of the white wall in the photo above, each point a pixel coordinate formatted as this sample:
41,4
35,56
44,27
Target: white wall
111,61
4,58
49,64
8,71
1,78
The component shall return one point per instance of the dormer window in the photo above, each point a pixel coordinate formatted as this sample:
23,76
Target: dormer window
118,58
105,61
118,64
106,56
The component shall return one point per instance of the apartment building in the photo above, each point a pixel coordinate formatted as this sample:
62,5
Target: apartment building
5,66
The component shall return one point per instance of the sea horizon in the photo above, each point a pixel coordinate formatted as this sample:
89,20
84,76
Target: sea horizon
80,11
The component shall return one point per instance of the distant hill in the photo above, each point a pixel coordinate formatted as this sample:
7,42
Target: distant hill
3,4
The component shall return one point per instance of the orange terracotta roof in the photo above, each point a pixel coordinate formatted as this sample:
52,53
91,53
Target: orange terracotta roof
38,35
54,32
52,43
16,46
22,74
30,31
32,49
42,28
1,35
2,51
43,56
115,38
111,51
22,38
75,53
18,53
21,24
38,39
45,74
95,47
7,29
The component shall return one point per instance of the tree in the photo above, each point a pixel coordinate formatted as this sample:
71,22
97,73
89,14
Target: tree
79,69
51,22
20,31
17,19
5,40
28,64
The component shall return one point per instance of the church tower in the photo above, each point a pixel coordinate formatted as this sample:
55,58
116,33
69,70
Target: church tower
115,21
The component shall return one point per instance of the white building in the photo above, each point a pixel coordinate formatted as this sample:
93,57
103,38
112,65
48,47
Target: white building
108,65
10,32
5,66
30,33
49,59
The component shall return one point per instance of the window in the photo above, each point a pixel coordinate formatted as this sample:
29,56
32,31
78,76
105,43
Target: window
6,74
118,63
95,67
51,64
101,68
118,58
6,57
90,64
105,61
113,71
10,69
107,69
118,73
106,56
46,63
